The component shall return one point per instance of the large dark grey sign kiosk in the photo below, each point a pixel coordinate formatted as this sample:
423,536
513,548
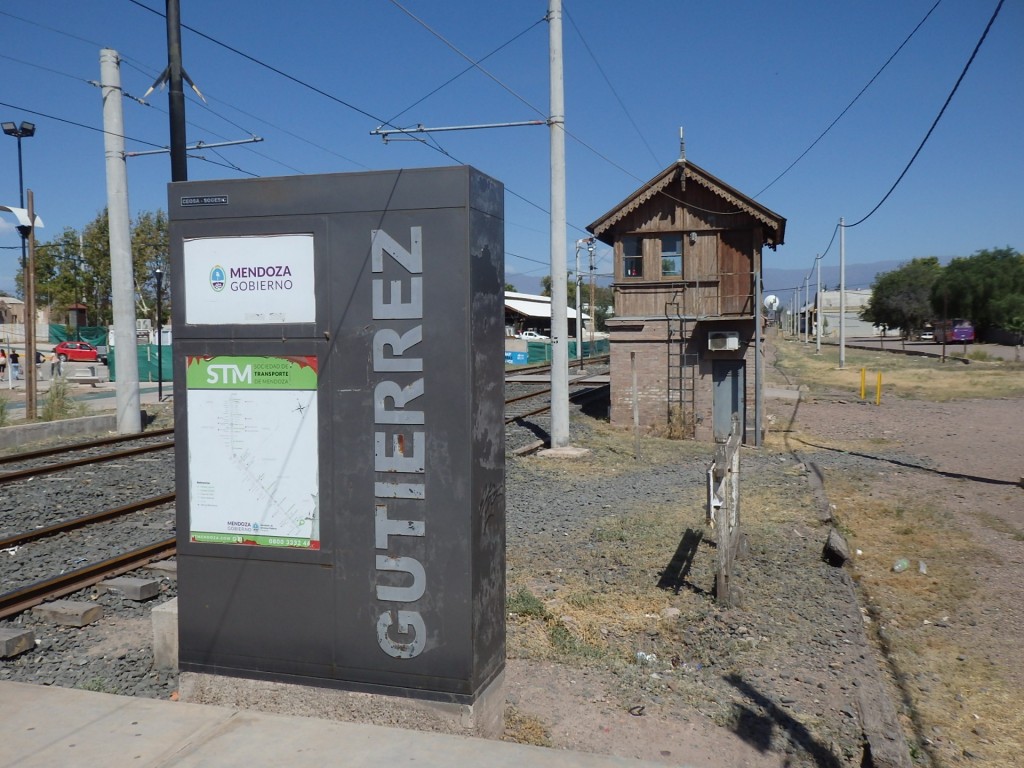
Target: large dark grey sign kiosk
338,368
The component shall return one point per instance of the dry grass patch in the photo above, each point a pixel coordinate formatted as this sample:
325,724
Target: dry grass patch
923,378
922,621
525,729
612,453
601,610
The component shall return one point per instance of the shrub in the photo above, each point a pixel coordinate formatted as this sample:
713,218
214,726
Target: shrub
59,404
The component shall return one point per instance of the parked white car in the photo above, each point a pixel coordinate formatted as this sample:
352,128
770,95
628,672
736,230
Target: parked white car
534,336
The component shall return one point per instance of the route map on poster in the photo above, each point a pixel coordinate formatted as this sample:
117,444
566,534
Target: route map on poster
252,451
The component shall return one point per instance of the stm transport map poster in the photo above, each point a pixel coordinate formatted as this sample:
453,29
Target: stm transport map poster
252,451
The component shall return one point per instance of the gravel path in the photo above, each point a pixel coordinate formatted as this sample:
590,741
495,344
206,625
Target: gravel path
771,682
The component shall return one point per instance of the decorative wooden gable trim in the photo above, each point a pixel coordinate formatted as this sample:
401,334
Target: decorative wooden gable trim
737,199
681,171
641,196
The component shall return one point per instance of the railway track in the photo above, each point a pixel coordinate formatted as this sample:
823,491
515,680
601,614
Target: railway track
83,549
91,456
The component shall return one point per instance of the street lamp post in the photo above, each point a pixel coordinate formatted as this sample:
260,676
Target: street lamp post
159,337
24,131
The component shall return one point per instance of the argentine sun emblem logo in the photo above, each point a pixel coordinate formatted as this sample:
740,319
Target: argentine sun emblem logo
217,278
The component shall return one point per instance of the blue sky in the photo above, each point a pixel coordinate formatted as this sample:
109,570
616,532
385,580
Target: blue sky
752,83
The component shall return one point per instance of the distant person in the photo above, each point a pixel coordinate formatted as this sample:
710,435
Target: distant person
39,364
3,363
15,367
55,367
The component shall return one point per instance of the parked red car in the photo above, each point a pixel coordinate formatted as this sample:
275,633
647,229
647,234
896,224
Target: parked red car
77,351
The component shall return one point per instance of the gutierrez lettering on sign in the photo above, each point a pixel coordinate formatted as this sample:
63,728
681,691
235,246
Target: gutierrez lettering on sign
399,438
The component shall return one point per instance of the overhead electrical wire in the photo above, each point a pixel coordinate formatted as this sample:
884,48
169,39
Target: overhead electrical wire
854,101
938,117
473,64
81,125
567,132
935,122
611,87
325,94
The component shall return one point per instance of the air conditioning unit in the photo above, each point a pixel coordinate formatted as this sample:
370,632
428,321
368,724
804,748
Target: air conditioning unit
723,341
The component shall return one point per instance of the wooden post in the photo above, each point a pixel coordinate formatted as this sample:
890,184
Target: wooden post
636,408
727,520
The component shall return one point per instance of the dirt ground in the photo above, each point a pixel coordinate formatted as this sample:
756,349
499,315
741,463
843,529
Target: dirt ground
935,484
942,486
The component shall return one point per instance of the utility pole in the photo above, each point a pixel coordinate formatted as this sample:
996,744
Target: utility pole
842,294
817,307
159,275
175,93
579,306
559,297
593,313
806,313
122,283
29,366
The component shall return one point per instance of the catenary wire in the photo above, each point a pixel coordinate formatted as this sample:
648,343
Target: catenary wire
611,87
81,125
854,101
470,68
475,64
938,117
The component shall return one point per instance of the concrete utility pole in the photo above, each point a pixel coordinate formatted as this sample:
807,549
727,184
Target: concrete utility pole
122,283
593,311
589,241
817,307
807,313
559,294
842,293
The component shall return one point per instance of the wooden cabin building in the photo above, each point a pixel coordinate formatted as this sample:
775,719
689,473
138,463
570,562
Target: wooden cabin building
687,249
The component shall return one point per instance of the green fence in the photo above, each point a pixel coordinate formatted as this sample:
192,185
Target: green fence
148,370
97,336
540,351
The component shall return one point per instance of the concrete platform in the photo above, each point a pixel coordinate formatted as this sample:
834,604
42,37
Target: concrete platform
42,727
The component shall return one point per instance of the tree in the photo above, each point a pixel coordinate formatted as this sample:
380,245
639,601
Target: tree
75,268
149,253
604,298
986,288
57,263
510,288
902,298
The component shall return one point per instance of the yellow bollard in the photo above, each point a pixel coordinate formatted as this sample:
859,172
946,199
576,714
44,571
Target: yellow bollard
878,390
863,383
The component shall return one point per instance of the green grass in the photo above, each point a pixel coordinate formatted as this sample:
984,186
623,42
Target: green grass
524,603
59,404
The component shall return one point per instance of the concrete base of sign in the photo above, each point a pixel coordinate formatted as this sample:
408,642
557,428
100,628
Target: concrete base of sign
484,718
165,635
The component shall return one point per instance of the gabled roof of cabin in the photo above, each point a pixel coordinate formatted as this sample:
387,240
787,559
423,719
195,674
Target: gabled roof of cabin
775,225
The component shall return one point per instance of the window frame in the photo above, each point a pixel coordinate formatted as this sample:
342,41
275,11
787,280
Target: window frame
676,256
636,260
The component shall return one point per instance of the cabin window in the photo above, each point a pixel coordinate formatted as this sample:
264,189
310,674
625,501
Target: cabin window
632,257
671,255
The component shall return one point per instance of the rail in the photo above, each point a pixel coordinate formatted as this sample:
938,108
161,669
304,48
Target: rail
13,603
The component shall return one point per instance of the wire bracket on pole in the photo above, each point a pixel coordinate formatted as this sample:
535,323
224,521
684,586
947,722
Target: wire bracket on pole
387,133
196,146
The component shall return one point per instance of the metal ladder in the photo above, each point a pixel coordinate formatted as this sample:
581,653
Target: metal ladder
682,373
